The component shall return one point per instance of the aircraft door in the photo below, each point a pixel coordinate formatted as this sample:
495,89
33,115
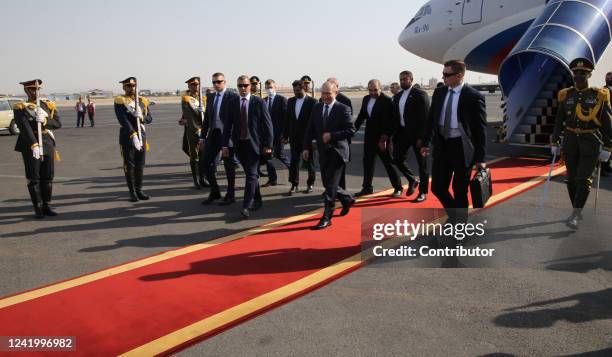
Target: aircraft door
472,12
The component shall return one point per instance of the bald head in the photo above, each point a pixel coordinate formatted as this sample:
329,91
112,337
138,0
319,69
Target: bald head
334,81
329,90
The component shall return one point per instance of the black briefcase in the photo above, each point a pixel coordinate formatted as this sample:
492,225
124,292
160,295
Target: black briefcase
481,188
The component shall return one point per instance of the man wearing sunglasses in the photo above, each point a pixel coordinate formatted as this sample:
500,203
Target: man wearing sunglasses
583,117
249,126
211,141
457,128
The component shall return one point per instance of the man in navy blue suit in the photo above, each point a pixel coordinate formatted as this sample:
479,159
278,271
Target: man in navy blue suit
211,140
331,126
277,106
249,126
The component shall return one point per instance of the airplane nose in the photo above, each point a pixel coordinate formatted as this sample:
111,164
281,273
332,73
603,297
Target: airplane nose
404,39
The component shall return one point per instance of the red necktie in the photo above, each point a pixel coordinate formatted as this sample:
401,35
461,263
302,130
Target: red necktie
243,120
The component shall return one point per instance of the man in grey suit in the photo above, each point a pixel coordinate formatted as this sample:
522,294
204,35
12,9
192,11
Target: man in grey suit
331,126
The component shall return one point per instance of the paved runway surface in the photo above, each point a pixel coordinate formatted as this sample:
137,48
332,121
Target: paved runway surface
389,307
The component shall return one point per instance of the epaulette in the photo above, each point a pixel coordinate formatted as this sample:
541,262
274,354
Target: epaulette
603,94
19,106
51,105
120,99
563,94
186,98
145,101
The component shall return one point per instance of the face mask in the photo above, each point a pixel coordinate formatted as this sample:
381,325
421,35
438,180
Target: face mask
270,91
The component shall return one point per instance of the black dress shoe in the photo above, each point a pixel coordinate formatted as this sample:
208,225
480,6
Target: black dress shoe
294,189
38,212
397,194
572,222
227,201
48,211
256,205
412,187
308,189
269,183
142,196
245,213
211,198
204,183
261,173
421,197
323,223
133,197
364,192
346,207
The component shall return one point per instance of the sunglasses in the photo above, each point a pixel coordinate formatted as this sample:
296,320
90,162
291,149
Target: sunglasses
243,85
446,75
218,82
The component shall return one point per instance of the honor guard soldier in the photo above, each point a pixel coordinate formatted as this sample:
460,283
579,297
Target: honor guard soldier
256,87
193,106
132,135
308,87
35,119
583,117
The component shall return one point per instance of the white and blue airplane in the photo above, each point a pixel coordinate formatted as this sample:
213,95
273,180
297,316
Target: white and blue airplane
528,44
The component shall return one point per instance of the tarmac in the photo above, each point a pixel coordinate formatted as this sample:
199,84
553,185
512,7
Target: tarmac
548,293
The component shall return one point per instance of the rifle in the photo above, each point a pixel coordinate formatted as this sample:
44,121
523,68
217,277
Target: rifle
136,107
39,125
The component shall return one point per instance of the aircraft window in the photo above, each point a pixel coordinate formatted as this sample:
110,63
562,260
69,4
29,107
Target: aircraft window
423,11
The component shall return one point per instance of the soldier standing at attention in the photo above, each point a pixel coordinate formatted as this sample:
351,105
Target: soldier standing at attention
132,136
583,116
39,161
192,121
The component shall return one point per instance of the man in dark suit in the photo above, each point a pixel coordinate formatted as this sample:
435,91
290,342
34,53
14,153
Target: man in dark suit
277,106
211,141
410,107
331,126
377,109
249,126
606,168
346,101
298,113
457,128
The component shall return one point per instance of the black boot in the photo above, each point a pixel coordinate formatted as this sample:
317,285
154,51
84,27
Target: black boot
35,195
129,178
46,188
138,173
194,174
574,218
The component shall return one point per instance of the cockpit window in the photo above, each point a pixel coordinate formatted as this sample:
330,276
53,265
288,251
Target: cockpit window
423,11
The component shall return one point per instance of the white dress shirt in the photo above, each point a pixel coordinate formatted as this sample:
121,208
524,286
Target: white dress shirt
370,106
454,124
329,109
298,106
402,105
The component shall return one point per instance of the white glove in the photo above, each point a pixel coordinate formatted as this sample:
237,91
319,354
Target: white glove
36,152
136,142
40,115
555,150
200,110
604,156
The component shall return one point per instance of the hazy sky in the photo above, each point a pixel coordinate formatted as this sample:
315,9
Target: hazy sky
78,45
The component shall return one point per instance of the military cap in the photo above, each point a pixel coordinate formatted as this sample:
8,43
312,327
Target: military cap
193,80
581,64
129,80
33,83
254,79
306,79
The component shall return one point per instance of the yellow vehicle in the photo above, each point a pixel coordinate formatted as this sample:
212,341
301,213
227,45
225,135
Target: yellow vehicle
7,122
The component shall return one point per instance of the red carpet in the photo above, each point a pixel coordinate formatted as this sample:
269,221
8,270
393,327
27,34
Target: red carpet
117,314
